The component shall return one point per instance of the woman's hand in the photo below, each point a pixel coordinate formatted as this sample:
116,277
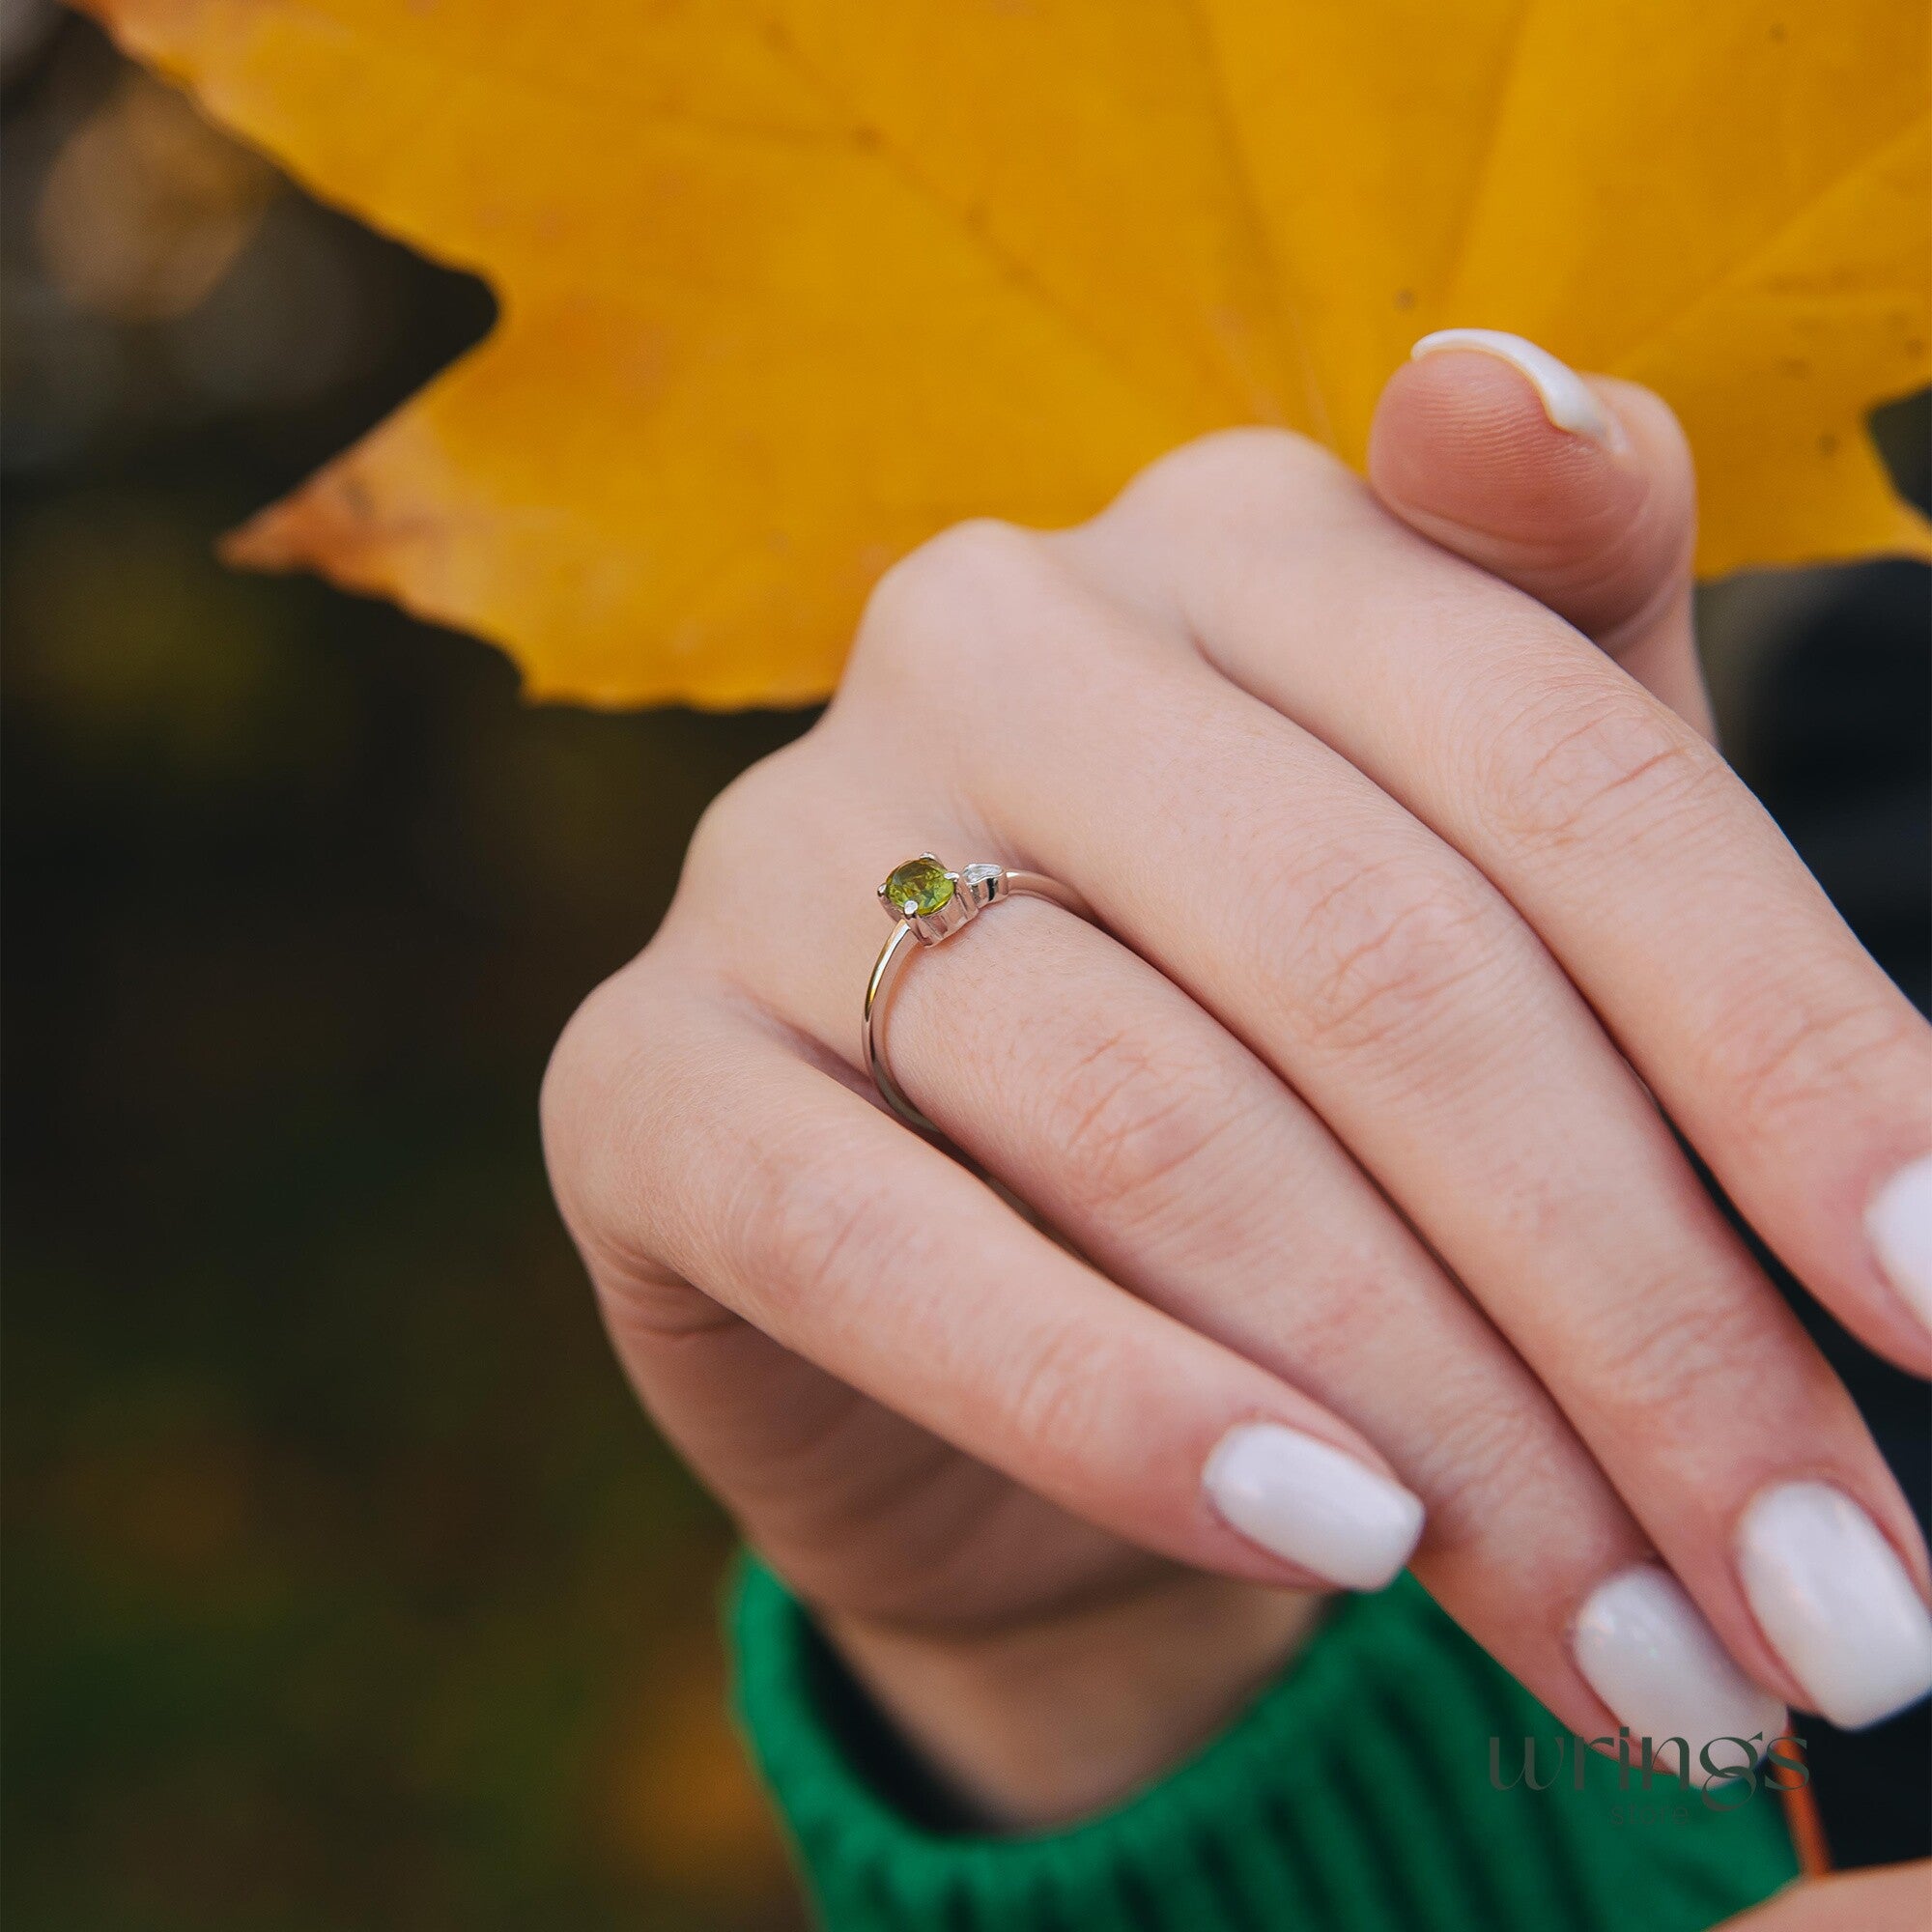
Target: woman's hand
1410,901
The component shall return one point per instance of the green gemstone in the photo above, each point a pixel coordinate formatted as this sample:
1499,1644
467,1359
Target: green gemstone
919,886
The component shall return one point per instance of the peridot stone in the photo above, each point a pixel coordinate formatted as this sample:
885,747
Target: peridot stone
919,886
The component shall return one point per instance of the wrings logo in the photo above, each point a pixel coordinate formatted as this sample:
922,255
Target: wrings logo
1727,1773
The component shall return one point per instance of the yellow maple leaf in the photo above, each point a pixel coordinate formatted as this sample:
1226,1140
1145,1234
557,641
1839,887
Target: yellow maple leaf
786,287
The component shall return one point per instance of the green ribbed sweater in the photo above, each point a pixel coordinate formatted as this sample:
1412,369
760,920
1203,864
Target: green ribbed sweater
1355,1795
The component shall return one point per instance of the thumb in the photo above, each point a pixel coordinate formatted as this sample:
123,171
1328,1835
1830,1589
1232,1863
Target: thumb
1579,493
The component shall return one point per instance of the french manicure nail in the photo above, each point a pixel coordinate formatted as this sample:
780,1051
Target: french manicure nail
1313,1504
1835,1603
1899,1223
1644,1648
1567,401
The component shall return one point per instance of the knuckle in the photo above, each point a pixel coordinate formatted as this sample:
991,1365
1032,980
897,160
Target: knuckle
1196,517
1783,1058
933,604
806,1220
1492,1449
576,1079
1577,755
763,802
1258,468
1133,1120
1660,1360
564,1072
1382,947
600,1107
1065,1393
559,1121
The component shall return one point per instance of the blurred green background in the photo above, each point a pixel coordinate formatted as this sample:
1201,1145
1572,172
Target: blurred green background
345,1587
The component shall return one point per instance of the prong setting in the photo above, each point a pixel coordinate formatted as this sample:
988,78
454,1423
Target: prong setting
935,901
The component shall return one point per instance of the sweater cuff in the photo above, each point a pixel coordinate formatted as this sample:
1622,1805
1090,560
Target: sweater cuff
1357,1791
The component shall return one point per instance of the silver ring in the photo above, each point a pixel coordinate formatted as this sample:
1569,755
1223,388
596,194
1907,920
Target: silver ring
927,905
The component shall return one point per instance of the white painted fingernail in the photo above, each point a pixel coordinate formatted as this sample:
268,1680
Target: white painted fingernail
1835,1603
1900,1222
1567,401
1313,1504
1644,1648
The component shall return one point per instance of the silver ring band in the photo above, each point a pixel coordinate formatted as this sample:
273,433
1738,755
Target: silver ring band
927,905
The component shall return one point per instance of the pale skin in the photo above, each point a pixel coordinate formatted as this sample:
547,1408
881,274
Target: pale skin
1896,1899
1413,869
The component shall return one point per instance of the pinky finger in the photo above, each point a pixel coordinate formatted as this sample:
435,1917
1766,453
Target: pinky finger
795,1203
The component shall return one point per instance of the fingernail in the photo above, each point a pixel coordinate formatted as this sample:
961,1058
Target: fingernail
1899,1223
1644,1648
1567,401
1313,1505
1835,1603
